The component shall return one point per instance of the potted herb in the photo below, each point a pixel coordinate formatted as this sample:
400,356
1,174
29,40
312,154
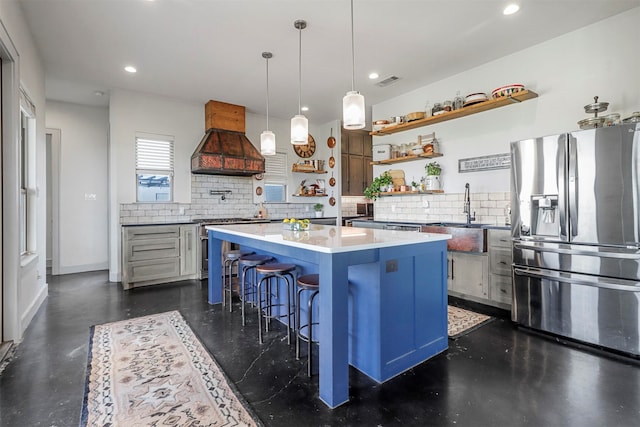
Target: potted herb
433,170
318,207
378,186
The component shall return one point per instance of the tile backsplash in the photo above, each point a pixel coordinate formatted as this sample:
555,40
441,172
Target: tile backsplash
236,204
489,208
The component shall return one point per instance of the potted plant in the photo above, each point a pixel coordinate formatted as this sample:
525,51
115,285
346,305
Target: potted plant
378,186
433,170
318,207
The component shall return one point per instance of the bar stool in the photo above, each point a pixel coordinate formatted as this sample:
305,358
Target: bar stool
246,263
277,271
306,283
230,257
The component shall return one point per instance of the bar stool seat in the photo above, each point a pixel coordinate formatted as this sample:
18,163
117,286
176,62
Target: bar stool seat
306,283
230,257
277,271
248,263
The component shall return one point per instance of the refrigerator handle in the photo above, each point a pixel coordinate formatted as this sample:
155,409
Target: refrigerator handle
573,185
562,194
555,276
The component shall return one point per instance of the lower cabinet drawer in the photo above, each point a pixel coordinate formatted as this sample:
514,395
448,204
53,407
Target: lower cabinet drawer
500,288
140,271
500,260
138,250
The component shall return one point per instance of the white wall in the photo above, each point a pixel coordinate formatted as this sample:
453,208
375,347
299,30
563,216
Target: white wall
566,72
83,222
24,284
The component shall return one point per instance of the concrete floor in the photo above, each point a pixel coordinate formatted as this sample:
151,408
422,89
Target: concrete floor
497,375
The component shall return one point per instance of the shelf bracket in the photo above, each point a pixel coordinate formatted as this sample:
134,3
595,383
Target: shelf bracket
514,100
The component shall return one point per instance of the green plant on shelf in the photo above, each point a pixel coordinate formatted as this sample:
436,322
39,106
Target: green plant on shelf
433,168
318,207
375,188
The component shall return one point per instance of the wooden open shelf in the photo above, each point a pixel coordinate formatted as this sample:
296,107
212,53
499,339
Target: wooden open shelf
406,159
309,195
456,114
405,193
309,171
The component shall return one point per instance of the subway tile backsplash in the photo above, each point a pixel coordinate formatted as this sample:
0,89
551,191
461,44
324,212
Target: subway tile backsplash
489,208
237,204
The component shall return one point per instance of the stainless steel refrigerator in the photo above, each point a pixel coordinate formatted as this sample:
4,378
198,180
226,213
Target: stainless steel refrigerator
575,227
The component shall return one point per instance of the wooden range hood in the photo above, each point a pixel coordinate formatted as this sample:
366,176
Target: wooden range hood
224,149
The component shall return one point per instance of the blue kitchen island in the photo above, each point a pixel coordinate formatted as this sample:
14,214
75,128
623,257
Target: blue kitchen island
383,294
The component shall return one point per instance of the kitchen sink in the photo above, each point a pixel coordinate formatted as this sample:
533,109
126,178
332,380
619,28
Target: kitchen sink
464,237
458,224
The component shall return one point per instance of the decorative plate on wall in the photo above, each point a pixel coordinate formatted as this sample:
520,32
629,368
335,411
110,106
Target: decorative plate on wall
258,177
259,191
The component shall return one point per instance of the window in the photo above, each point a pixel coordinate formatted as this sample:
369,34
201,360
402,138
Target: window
275,178
154,168
26,167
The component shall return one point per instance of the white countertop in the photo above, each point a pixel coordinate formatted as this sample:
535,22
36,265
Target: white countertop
329,238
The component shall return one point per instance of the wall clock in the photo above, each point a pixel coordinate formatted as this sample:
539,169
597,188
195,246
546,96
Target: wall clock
305,151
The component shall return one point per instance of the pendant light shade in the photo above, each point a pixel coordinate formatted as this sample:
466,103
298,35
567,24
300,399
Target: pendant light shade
267,143
299,130
353,113
267,138
353,110
299,123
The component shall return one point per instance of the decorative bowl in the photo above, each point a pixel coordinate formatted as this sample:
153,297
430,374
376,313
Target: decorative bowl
506,90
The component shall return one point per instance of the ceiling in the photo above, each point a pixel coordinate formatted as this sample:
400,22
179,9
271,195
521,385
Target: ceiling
196,50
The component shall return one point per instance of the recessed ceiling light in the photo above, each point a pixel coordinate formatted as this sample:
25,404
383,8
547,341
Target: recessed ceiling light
130,69
373,76
98,93
305,108
511,9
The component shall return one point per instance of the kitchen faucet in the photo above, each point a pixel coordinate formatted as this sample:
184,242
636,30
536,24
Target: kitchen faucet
467,204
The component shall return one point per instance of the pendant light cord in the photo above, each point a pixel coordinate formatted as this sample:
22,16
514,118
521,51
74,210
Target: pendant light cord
353,54
300,71
267,93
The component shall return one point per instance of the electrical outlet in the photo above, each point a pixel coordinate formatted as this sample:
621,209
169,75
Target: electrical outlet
306,208
90,196
393,208
181,210
425,203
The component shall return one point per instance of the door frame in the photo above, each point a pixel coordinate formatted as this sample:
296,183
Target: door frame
56,138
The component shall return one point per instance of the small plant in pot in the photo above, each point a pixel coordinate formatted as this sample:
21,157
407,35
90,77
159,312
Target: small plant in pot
318,207
378,186
432,182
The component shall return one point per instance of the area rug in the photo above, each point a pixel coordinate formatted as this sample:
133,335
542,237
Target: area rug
153,371
462,321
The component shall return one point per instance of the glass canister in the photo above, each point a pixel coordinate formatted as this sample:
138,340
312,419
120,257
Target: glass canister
437,108
447,106
458,101
395,151
611,119
403,150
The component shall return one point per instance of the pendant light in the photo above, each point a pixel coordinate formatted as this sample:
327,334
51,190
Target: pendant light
299,123
267,138
353,115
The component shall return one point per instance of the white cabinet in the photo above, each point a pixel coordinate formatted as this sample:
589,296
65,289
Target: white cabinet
468,275
188,249
500,259
153,254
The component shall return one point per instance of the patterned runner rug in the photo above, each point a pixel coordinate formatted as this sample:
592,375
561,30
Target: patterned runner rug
462,321
152,370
